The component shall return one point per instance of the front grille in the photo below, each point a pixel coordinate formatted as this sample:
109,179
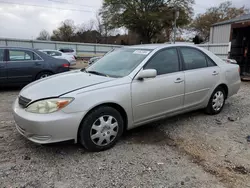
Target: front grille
23,102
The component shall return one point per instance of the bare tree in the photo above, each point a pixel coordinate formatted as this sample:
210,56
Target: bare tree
43,35
90,25
225,11
99,24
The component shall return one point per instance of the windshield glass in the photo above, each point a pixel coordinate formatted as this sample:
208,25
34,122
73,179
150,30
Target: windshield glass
120,62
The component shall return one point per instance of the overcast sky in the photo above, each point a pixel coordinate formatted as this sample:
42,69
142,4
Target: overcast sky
26,18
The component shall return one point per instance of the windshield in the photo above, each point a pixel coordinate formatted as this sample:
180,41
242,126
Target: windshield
120,62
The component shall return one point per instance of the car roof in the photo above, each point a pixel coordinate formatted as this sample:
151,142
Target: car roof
49,50
155,46
66,48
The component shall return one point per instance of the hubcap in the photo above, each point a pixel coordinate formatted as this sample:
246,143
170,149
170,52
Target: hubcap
218,100
44,76
104,130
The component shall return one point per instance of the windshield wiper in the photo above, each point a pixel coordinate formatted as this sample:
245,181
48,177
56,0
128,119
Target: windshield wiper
97,73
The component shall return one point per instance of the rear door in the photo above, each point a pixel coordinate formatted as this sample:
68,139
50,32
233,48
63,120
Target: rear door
23,65
201,76
3,72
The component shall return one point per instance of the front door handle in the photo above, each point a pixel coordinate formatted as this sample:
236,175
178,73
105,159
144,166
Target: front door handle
179,80
215,73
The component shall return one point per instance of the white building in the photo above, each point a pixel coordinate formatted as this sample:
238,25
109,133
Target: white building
236,32
221,32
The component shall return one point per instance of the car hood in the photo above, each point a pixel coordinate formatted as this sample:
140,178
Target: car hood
60,84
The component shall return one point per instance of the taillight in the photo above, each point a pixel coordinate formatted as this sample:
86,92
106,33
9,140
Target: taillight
66,65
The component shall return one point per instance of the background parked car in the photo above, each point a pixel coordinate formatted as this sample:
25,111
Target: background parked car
69,51
24,65
60,55
95,59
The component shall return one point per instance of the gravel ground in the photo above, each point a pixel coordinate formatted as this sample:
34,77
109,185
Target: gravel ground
190,150
80,64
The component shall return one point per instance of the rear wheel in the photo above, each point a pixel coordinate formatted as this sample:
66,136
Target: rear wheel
43,75
216,102
101,129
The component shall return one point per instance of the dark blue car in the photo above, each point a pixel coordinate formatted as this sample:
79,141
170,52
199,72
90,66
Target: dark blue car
24,65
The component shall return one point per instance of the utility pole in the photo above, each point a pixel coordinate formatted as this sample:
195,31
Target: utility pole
176,16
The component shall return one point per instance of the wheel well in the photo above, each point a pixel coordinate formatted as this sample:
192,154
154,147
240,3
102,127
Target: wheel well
115,106
224,86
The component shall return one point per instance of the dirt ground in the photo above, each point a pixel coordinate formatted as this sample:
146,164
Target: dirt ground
80,64
190,150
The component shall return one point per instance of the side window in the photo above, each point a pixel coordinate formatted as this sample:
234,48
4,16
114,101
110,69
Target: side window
54,53
166,61
19,55
210,63
193,59
1,54
57,54
22,55
51,53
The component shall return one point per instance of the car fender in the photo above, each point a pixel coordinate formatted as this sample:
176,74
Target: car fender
85,101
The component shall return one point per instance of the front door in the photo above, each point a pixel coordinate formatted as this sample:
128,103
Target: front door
3,72
22,65
201,76
153,98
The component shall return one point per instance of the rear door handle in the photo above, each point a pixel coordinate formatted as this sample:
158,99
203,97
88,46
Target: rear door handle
215,73
38,63
178,80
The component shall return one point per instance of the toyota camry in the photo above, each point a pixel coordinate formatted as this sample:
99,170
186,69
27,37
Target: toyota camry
125,89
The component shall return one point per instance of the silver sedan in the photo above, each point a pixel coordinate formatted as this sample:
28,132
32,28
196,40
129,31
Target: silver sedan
125,89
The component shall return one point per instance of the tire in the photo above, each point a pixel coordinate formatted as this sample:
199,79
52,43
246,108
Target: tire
43,75
218,97
101,129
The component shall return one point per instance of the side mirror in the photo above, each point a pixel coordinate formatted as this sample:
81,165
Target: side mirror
148,73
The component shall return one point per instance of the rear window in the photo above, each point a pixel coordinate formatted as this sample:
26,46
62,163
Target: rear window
66,50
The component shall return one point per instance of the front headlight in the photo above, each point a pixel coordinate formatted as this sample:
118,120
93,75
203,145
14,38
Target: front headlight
48,105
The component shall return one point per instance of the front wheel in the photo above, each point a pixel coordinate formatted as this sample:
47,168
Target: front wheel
101,129
216,102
